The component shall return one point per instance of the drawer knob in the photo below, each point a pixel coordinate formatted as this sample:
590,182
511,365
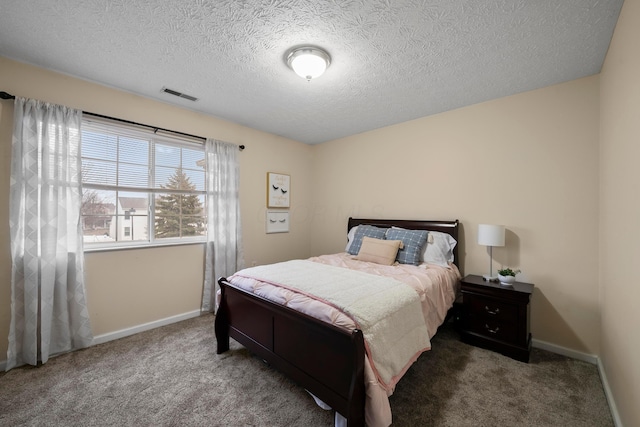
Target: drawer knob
491,331
496,311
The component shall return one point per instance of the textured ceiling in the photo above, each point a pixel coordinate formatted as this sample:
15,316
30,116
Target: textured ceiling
392,61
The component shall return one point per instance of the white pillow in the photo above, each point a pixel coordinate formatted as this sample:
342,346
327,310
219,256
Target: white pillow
350,237
439,250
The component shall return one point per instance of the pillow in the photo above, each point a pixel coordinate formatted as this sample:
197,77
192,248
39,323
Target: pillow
350,235
379,251
362,231
439,249
413,240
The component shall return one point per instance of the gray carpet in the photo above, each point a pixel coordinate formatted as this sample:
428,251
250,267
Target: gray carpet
171,376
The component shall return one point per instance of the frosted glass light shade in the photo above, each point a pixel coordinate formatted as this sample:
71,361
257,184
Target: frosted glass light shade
308,62
491,235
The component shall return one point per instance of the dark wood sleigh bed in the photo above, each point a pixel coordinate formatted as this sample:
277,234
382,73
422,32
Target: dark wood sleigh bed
324,359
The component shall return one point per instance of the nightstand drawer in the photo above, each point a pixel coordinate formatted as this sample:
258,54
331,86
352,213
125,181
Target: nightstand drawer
503,331
493,310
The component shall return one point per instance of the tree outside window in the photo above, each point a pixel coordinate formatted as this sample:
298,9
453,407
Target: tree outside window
179,214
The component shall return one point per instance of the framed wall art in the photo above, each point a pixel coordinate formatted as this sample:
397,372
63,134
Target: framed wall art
277,222
278,190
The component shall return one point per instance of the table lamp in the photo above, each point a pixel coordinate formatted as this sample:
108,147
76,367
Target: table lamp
490,235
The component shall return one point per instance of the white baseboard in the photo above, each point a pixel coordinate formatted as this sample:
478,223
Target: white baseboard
589,358
110,336
607,392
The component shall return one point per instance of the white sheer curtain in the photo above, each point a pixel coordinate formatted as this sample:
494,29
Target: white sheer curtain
48,305
223,255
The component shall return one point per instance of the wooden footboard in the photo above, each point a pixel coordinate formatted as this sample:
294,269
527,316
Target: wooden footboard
322,358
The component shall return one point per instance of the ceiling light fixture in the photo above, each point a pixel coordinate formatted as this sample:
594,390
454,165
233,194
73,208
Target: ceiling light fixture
308,62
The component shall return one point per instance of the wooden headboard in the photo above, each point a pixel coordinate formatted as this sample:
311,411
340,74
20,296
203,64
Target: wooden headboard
449,227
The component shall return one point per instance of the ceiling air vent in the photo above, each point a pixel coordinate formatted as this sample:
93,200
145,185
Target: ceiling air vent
180,94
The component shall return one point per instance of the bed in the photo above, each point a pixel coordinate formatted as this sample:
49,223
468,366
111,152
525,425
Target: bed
330,360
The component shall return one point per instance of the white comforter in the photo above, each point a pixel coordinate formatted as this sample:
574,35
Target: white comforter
434,289
386,310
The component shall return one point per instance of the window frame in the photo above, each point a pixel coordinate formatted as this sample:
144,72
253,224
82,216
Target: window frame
152,190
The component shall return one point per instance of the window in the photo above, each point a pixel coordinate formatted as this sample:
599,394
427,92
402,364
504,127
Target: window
140,188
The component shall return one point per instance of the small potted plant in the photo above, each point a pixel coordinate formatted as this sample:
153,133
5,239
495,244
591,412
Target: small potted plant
507,276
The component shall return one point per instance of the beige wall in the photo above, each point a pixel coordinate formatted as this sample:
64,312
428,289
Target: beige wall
527,161
620,214
131,287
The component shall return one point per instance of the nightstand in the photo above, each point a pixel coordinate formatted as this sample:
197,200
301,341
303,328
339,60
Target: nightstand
496,316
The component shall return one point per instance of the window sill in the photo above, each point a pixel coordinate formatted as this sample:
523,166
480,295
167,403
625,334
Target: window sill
116,247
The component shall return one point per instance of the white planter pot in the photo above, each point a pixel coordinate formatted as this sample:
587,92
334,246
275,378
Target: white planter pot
507,280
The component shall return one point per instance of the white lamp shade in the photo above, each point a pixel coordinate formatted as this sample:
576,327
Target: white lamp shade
309,63
491,235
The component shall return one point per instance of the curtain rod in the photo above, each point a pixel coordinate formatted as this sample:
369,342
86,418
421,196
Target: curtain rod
5,95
